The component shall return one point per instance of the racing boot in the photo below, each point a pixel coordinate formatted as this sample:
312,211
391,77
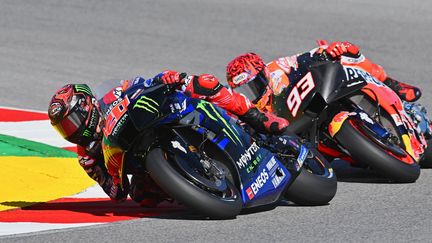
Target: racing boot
404,91
145,192
264,122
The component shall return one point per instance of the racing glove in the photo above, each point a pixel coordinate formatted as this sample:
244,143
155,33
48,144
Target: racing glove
337,49
171,77
114,190
264,122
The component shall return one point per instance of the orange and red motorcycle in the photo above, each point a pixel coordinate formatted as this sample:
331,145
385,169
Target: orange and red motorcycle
351,115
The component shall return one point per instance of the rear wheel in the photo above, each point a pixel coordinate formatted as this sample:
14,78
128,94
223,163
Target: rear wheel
367,147
315,185
213,197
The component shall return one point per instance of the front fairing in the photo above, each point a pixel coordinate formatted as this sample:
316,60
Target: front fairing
261,174
313,89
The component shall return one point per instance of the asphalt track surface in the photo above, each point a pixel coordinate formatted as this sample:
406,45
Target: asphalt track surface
45,43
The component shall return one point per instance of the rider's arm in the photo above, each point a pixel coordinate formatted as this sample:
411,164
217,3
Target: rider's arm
207,86
94,165
349,54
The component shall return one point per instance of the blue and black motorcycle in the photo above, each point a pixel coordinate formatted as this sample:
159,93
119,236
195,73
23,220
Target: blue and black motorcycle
203,158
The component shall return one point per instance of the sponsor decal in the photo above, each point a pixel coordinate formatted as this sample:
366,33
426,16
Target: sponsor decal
365,117
116,112
82,88
112,105
271,164
177,107
119,124
117,92
254,163
337,121
86,133
302,157
178,146
246,157
250,193
240,78
93,121
55,108
350,60
215,116
147,104
278,178
356,73
259,182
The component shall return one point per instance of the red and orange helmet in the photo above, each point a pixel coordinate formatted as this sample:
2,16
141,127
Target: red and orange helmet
247,74
74,114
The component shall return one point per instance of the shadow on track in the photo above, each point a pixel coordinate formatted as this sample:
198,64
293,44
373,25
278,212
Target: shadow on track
348,173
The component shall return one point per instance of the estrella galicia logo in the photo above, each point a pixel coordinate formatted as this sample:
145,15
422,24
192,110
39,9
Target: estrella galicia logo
147,104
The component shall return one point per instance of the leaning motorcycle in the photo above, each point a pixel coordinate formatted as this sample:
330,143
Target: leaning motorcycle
351,115
201,157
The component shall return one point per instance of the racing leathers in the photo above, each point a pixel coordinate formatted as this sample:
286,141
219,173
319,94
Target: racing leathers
285,70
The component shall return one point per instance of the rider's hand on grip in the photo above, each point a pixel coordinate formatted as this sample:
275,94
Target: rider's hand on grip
337,49
172,77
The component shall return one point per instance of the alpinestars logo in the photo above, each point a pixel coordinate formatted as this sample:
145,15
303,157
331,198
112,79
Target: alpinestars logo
147,104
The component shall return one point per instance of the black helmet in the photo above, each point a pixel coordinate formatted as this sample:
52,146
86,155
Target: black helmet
74,113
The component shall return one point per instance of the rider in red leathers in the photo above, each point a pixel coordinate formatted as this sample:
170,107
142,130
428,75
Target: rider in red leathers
247,73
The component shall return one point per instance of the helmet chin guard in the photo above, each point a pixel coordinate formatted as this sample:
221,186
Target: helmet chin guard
74,114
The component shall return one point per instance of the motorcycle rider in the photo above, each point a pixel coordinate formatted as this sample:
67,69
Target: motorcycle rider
247,73
76,114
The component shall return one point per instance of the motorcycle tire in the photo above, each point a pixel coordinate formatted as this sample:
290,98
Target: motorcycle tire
311,188
426,161
171,180
364,148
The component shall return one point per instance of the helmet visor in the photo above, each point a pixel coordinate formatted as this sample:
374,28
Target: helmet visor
254,89
69,125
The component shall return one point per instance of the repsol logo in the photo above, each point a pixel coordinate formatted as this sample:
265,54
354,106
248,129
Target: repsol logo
355,73
260,181
246,157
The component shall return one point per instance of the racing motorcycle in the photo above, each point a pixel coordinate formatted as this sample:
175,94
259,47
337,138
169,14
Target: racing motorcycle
201,157
351,115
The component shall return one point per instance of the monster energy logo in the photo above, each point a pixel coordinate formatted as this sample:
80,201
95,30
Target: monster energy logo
147,104
83,88
86,133
232,134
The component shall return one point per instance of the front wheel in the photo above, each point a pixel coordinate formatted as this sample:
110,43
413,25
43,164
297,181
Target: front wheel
212,203
426,161
315,185
386,158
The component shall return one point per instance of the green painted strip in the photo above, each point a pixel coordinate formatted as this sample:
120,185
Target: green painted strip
13,146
